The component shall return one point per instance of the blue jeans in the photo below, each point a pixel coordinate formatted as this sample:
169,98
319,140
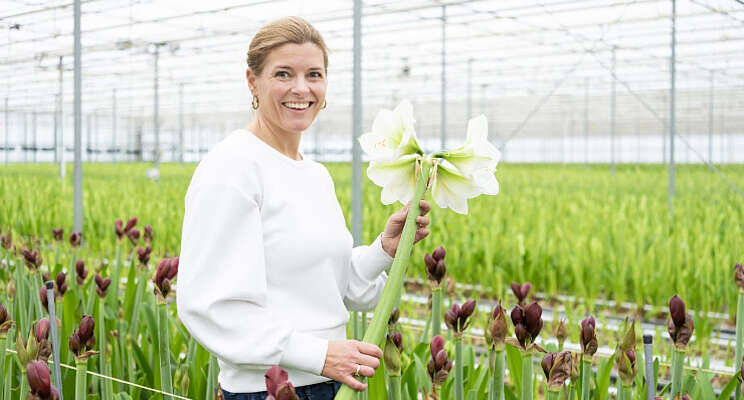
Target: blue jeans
318,391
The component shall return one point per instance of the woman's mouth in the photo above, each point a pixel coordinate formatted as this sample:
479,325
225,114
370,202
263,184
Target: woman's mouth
297,105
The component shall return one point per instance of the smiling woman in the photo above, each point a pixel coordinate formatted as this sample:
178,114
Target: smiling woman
267,271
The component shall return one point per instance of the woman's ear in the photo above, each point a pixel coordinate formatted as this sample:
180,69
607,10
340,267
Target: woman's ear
250,77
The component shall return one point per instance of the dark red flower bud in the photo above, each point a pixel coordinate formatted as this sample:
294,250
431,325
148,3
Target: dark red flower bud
517,315
394,315
397,339
631,356
275,377
118,229
439,253
42,330
286,392
85,332
81,272
547,363
54,395
3,314
498,326
533,319
677,310
102,285
39,379
561,332
739,276
32,259
133,236
441,359
144,254
74,343
130,224
61,282
436,345
58,234
164,274
521,291
588,336
6,240
43,297
148,234
75,239
520,331
436,269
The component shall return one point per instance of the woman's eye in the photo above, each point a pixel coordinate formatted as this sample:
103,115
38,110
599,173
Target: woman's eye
282,74
316,75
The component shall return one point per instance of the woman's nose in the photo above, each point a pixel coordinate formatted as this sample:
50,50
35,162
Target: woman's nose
300,86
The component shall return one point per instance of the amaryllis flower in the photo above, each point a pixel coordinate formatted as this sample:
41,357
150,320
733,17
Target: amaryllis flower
278,386
148,234
39,379
739,276
436,269
102,285
439,364
144,255
680,325
60,282
75,239
457,317
527,323
456,175
80,272
588,336
5,321
133,236
164,274
392,353
521,291
557,368
58,235
495,332
32,259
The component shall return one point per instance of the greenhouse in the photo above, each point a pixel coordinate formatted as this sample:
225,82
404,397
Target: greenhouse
372,200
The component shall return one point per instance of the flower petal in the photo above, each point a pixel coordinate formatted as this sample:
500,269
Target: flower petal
451,189
397,178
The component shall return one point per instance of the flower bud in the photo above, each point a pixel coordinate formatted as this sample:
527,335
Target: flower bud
74,343
118,229
286,392
739,276
43,297
588,336
81,272
42,330
557,368
677,310
394,315
521,291
439,253
561,332
680,325
32,259
130,224
58,234
533,319
436,268
276,383
164,274
436,345
75,239
392,352
439,365
39,379
144,254
133,236
625,357
102,285
61,282
148,234
496,331
547,363
6,240
5,322
85,332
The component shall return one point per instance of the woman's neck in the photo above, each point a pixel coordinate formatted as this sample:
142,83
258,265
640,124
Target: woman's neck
287,143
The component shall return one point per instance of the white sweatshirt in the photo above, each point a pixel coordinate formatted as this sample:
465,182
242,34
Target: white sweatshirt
267,270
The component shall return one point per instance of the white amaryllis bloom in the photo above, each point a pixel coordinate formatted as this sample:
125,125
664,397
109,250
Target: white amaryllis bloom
457,175
393,135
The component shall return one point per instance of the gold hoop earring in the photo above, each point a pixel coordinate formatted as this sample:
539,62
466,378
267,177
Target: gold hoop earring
254,103
325,104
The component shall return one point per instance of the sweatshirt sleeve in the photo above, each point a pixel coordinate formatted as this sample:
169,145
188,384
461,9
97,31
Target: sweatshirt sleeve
222,287
367,277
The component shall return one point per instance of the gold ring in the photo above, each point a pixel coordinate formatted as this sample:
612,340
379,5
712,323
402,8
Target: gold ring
359,366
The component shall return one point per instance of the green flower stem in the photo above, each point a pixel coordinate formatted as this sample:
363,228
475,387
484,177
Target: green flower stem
626,392
211,378
139,293
395,388
678,363
376,332
739,339
20,295
497,375
526,375
572,391
554,394
107,386
459,384
24,384
164,342
81,379
436,311
586,376
113,298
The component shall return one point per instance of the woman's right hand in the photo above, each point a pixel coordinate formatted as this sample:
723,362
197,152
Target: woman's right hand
344,356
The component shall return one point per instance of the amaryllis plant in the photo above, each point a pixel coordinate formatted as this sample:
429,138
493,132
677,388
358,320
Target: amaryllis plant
495,335
626,361
458,319
680,327
436,270
557,368
278,386
589,345
399,165
439,366
527,325
521,291
40,383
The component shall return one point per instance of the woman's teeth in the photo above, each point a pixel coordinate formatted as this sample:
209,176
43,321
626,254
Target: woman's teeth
297,106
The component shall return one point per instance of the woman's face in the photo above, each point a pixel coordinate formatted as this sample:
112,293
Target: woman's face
291,88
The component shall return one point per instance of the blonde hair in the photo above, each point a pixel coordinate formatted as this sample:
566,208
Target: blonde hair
280,32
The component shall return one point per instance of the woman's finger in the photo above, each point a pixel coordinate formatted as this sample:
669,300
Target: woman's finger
351,382
422,221
367,360
425,207
369,349
367,371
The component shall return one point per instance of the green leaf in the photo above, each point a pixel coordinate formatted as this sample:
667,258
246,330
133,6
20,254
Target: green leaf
143,363
377,388
514,363
728,390
602,379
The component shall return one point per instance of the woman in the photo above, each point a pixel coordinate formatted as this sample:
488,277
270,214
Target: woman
267,270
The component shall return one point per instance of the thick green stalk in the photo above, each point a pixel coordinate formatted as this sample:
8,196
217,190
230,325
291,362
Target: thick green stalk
491,373
586,376
739,339
526,375
436,311
211,378
113,298
395,388
3,354
626,392
678,364
497,377
165,364
8,378
376,332
572,391
81,379
139,293
20,295
24,385
554,394
459,384
107,386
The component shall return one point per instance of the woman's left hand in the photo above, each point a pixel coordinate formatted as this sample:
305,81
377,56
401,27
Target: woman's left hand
394,227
